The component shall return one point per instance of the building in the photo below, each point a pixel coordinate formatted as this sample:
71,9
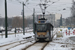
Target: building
49,17
63,22
54,19
57,16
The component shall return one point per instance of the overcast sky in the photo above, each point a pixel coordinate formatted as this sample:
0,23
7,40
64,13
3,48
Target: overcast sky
15,8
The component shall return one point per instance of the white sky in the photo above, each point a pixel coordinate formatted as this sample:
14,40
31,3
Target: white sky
15,8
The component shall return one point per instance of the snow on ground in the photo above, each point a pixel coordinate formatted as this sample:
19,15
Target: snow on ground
62,43
56,46
17,31
21,46
12,38
58,43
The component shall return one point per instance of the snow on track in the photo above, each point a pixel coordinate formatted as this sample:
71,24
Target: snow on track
11,41
12,45
20,47
37,46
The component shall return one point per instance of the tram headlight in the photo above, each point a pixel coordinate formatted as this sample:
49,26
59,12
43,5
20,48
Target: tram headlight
39,22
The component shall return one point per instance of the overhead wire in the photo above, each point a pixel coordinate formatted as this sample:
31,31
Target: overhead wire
67,7
13,2
44,5
21,3
29,8
35,3
50,5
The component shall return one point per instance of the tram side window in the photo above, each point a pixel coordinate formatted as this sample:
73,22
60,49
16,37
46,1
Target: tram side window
41,27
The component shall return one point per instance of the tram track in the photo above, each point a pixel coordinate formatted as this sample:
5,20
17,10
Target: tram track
14,44
20,43
16,41
39,45
14,33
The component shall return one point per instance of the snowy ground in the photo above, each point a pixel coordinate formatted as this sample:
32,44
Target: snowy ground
58,43
61,44
15,40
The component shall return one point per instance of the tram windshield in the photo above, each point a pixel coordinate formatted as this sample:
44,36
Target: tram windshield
41,27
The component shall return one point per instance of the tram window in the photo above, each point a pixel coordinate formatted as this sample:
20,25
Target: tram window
41,27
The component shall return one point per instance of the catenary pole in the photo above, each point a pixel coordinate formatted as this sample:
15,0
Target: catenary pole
33,20
23,20
6,35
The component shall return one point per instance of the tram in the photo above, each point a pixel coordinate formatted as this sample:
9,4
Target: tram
43,30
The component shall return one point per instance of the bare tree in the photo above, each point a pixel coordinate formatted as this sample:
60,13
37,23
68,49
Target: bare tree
73,9
73,13
18,22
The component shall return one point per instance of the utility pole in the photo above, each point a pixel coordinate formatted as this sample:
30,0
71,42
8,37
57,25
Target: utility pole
23,4
61,20
23,20
6,19
33,20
